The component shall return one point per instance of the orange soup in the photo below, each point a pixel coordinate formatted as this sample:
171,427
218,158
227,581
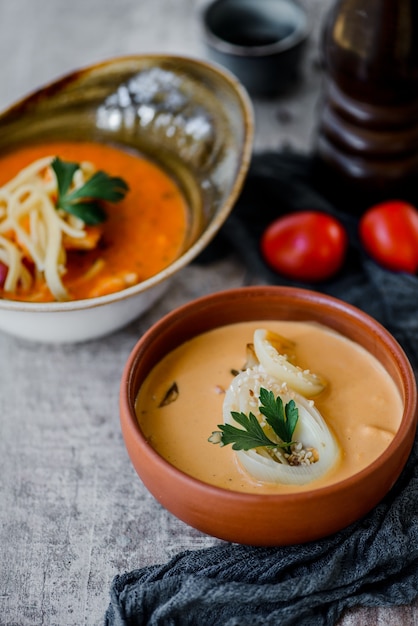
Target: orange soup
360,403
143,233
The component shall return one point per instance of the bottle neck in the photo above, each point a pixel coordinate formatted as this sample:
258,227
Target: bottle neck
370,48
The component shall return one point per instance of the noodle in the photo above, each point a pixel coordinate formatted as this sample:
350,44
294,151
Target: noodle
31,227
80,242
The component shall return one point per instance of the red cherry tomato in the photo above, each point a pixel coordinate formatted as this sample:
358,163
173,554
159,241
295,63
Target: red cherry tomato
308,246
389,233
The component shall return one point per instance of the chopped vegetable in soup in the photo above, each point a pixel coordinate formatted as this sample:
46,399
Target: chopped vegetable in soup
80,220
325,408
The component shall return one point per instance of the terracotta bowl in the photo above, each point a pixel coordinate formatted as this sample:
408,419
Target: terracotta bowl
254,519
193,119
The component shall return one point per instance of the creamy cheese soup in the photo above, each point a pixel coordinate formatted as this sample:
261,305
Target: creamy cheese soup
360,404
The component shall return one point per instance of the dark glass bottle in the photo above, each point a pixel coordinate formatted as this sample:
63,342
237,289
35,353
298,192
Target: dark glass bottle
368,119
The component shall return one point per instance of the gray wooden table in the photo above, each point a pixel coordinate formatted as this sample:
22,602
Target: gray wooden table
72,511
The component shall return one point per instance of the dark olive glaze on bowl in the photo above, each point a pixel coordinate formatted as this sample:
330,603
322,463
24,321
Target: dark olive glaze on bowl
191,118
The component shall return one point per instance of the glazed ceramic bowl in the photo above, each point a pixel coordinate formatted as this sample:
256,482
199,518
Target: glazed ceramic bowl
193,119
260,42
256,519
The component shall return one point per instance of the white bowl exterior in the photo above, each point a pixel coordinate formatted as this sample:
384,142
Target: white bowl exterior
220,170
77,325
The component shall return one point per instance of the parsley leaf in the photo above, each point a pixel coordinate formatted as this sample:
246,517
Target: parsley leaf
251,437
282,419
84,202
64,171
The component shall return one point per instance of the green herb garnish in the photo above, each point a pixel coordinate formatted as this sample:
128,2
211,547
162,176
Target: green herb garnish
282,419
84,202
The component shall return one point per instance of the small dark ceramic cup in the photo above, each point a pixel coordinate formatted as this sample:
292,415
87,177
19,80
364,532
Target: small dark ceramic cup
260,41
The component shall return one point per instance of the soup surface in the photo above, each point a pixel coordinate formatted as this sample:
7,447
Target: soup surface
360,403
142,234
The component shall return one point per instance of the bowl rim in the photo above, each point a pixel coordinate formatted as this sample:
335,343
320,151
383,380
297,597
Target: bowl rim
409,416
205,237
296,37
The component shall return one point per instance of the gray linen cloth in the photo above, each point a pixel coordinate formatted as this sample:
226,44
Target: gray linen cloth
373,562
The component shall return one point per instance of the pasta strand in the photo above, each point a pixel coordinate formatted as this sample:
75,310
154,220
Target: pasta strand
32,227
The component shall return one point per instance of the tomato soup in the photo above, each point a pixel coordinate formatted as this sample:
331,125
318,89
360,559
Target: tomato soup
142,234
360,403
